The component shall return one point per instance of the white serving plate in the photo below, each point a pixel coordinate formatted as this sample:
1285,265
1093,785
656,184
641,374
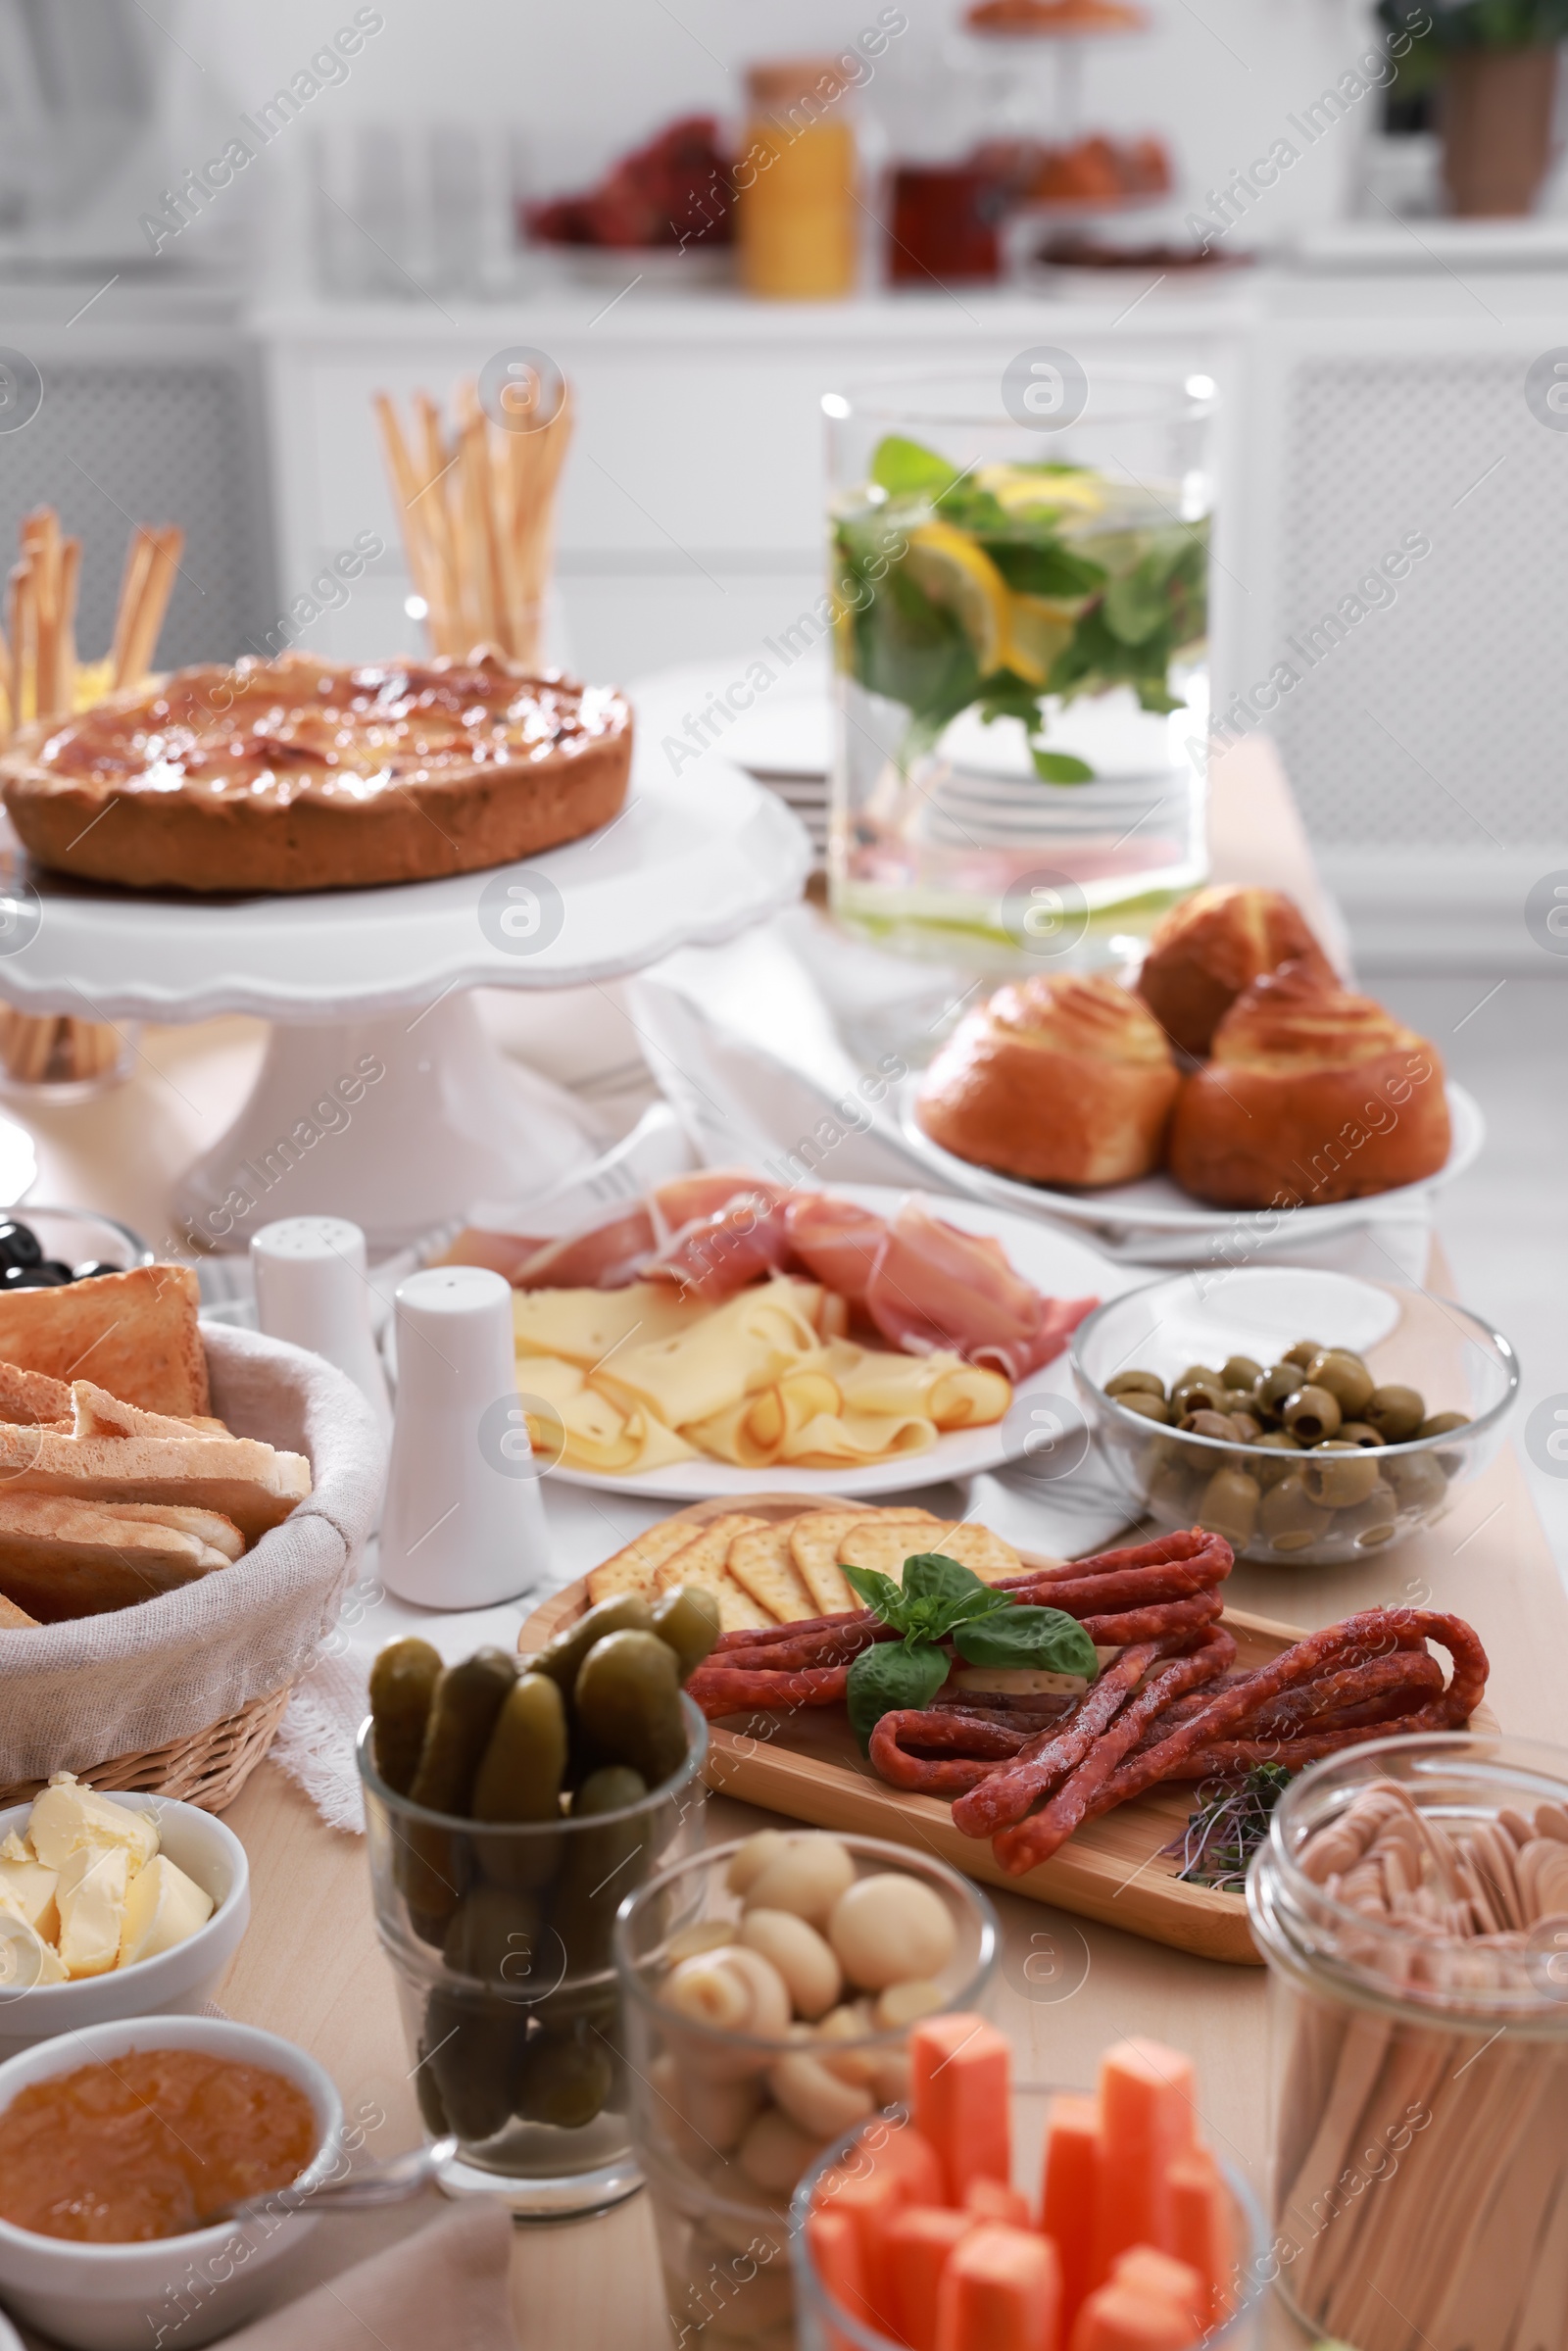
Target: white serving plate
1158,1205
1057,1263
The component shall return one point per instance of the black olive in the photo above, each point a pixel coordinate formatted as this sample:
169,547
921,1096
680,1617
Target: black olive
57,1270
92,1266
34,1277
20,1244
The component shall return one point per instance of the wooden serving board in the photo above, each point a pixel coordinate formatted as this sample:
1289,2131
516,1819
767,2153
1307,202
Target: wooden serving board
807,1766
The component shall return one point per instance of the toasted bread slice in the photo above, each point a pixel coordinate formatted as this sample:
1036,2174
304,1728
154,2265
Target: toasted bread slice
237,1477
96,1413
207,1526
134,1334
33,1397
64,1558
636,1568
14,1619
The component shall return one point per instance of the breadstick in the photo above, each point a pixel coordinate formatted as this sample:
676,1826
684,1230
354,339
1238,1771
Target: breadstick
132,590
167,545
70,582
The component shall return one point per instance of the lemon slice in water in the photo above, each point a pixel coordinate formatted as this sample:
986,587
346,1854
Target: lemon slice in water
957,574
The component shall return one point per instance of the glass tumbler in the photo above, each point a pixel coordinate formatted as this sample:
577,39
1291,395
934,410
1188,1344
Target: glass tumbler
1019,581
825,2325
499,1934
722,2151
1418,1965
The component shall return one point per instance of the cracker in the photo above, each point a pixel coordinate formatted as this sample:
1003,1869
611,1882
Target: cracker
762,1564
884,1539
983,1553
704,1561
134,1334
814,1549
636,1568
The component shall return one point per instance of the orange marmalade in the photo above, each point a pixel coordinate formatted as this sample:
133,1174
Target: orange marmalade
146,2144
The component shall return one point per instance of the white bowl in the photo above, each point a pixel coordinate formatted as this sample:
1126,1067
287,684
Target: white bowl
176,1983
181,2290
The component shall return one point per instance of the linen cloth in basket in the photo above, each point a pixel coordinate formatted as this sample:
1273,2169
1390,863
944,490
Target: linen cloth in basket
78,1694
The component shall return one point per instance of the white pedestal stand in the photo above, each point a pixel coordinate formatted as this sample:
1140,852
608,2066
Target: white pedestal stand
380,1098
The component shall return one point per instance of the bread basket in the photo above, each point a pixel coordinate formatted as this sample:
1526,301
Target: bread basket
182,1695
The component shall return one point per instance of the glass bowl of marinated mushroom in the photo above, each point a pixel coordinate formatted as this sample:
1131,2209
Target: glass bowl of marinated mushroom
1309,1417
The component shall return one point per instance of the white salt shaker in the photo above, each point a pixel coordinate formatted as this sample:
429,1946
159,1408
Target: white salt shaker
465,1521
312,1288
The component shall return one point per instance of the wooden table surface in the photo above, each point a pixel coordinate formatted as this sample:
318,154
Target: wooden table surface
310,1966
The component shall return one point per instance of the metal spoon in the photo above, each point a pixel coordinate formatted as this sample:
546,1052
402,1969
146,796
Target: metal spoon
390,2182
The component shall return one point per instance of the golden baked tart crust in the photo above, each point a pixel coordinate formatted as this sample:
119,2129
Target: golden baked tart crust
301,774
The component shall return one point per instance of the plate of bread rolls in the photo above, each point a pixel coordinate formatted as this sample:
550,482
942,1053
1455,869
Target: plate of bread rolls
1232,1080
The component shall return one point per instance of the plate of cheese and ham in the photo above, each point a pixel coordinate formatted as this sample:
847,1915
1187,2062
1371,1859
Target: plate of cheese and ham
722,1326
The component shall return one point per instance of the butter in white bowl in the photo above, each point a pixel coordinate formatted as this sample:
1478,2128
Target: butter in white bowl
113,1905
89,1881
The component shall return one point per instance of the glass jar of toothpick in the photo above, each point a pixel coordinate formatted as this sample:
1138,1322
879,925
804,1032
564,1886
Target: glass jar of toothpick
1412,1905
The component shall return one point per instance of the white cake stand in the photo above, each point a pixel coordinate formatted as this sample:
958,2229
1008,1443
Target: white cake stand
380,1097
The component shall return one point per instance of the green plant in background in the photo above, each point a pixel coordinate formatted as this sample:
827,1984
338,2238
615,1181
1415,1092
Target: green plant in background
1008,586
1442,31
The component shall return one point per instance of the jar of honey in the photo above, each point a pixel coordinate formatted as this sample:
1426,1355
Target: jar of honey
796,182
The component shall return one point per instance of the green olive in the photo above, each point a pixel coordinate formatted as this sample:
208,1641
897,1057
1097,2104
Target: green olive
1136,1383
1198,1396
687,1621
1371,1522
1199,1371
466,1701
1279,1441
1170,1495
1337,1475
1240,1400
1241,1372
1418,1480
1229,1506
1146,1405
1289,1518
403,1682
526,1762
560,1658
1311,1414
1302,1353
564,2079
1210,1424
1275,1385
1437,1424
628,1704
1360,1431
1249,1427
1345,1375
1397,1413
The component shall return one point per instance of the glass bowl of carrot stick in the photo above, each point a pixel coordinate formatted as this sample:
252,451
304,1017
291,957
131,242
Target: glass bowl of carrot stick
768,1988
993,2214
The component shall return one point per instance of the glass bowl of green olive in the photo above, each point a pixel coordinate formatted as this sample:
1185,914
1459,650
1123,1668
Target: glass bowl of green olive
1311,1451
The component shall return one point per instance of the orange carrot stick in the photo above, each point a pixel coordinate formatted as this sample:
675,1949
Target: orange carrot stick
916,2243
835,2248
1160,2278
1000,2291
1147,2106
993,2200
959,2093
1201,2230
1070,2193
1118,2317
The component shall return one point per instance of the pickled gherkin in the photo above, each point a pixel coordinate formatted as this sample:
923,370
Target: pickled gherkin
524,1764
472,2048
403,1682
495,1936
462,1714
628,1704
687,1620
614,1787
565,2077
560,1658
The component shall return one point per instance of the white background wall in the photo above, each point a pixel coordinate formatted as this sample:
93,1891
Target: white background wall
1216,77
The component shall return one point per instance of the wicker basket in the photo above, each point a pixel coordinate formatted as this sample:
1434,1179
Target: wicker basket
208,1769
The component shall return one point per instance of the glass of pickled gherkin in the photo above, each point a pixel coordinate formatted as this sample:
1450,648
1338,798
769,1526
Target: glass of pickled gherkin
499,1934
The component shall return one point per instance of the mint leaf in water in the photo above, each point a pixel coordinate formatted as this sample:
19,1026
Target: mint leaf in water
907,470
1060,767
1043,1640
890,1677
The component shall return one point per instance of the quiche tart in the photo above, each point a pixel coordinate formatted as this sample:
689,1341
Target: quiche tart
299,775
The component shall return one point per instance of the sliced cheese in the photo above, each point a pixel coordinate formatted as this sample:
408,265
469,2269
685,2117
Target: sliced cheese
1019,1681
91,1894
25,1959
750,1344
69,1818
12,1848
28,1890
162,1909
586,1325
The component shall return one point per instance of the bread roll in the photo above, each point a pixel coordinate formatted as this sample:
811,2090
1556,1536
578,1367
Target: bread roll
1211,946
1059,1081
1312,1094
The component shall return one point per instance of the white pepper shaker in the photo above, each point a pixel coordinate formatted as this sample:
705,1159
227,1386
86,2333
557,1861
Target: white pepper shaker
465,1521
312,1288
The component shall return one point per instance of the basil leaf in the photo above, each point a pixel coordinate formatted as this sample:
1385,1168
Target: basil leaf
878,1592
1045,1640
905,470
933,1576
891,1676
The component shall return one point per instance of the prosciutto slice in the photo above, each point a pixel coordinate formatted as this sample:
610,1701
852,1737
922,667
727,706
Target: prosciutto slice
836,1243
934,1287
604,1257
